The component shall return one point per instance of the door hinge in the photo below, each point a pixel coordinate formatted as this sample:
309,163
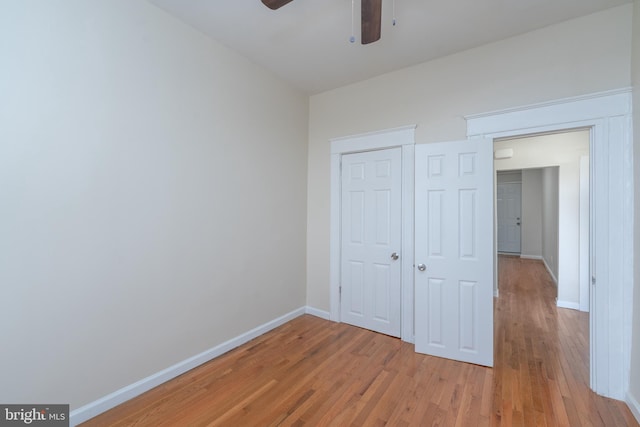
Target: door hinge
593,280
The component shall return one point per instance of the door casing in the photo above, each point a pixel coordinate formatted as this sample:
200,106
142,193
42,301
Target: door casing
608,116
403,137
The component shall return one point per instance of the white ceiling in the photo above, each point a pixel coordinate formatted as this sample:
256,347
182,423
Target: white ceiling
307,41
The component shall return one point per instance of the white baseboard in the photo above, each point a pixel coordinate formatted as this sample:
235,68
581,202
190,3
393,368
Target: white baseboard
531,256
553,277
318,313
634,406
568,304
114,399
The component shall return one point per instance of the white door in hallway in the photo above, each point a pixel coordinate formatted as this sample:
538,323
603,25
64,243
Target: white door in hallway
454,250
371,240
509,211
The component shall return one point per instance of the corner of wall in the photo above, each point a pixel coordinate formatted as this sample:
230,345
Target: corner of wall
317,313
118,397
634,406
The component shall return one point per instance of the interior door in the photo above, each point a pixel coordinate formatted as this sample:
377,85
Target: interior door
371,240
509,208
454,250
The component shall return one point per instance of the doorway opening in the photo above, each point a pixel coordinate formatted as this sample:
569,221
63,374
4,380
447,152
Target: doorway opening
608,116
542,207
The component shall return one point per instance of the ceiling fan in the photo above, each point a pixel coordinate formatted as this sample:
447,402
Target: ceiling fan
370,19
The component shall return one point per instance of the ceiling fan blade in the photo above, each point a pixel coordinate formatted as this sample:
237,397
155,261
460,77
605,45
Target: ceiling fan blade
275,4
371,20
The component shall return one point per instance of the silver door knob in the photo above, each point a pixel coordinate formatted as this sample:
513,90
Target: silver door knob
422,267
394,256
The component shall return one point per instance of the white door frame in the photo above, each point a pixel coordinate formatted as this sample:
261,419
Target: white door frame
403,137
585,232
608,115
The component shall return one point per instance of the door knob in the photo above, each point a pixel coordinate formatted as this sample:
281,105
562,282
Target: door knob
422,267
394,256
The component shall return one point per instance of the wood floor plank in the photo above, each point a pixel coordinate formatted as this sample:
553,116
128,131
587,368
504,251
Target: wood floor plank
312,372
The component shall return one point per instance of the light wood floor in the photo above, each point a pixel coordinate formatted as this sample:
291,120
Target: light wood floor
313,372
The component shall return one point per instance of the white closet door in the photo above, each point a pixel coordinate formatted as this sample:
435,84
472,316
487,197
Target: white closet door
371,240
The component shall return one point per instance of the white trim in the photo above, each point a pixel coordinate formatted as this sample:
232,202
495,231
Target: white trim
553,276
584,234
538,257
588,107
496,293
317,313
608,116
634,406
403,137
408,213
334,240
374,140
114,399
568,304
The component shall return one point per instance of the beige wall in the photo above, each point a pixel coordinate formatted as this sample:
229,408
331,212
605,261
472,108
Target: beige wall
153,197
634,385
580,56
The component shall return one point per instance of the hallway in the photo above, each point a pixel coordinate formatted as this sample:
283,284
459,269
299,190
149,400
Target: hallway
542,355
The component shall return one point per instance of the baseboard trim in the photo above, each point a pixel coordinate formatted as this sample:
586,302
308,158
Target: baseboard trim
568,304
553,277
634,406
523,256
114,399
317,312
